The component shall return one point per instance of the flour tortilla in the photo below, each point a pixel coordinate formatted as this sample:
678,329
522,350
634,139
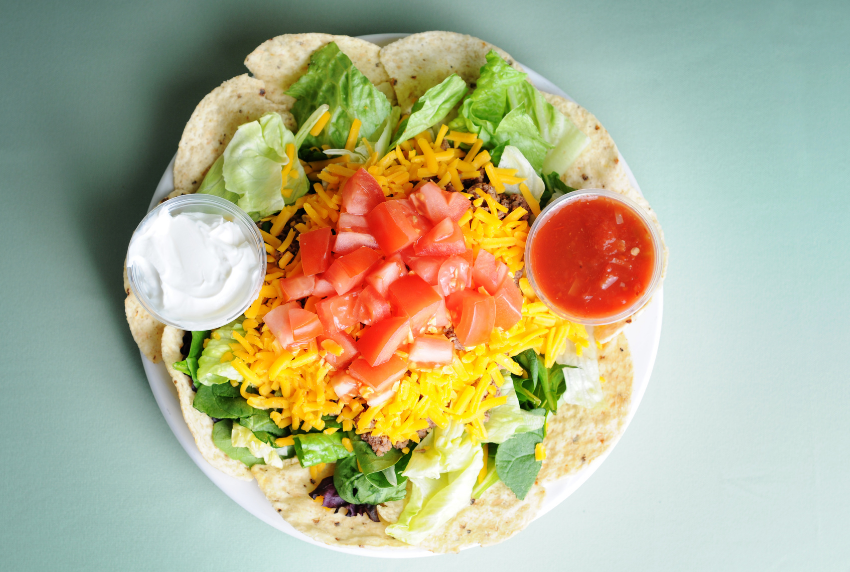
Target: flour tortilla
421,61
199,423
279,62
575,435
213,123
599,167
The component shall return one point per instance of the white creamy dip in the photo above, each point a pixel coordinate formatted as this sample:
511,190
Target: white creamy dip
194,268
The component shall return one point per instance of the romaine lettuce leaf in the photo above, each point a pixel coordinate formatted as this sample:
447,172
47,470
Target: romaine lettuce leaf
432,107
332,79
380,144
510,419
243,437
581,374
315,448
222,437
189,366
210,369
512,158
518,129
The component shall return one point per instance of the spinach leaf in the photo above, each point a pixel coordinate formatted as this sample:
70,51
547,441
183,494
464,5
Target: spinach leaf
369,461
259,420
189,366
222,402
352,485
315,448
221,436
542,386
391,476
333,79
515,462
555,188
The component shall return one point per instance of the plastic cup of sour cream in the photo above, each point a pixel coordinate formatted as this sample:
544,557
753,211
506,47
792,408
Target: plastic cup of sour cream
196,262
594,257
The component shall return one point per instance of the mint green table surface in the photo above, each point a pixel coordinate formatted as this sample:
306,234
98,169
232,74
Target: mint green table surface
734,117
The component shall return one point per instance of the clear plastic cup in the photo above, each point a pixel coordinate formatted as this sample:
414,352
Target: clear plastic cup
565,200
207,204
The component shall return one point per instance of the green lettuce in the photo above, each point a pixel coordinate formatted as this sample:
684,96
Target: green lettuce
509,419
222,401
581,374
189,366
380,144
431,108
332,79
222,436
555,188
353,486
210,369
315,448
513,158
539,386
244,437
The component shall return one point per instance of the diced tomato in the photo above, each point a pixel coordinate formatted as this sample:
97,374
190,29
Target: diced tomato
344,386
305,325
349,270
477,316
348,242
508,304
455,275
419,222
338,312
431,351
379,342
298,287
361,193
278,322
352,223
469,257
371,306
444,239
441,317
411,296
323,288
379,377
391,226
346,342
428,267
386,273
488,272
436,204
376,399
316,246
407,254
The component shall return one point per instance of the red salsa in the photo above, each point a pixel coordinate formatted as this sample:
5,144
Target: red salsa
593,257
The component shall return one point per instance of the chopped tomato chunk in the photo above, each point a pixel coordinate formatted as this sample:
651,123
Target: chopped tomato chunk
323,288
371,306
376,399
305,325
278,322
431,351
428,267
508,304
344,386
487,272
391,226
316,246
298,287
474,316
457,205
349,270
346,342
338,312
361,193
436,204
352,223
411,296
379,377
455,275
347,242
387,273
380,341
444,239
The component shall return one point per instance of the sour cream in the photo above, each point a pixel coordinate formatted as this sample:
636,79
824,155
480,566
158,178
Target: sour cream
196,270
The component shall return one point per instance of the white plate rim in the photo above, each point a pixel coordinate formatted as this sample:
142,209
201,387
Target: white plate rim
643,335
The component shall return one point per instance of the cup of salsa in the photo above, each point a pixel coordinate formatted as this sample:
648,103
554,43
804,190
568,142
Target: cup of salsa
593,256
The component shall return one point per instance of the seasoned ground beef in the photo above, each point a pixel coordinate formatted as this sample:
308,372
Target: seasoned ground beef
469,183
444,145
380,444
510,202
518,276
297,218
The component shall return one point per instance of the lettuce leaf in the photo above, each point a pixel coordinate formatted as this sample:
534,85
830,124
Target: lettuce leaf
353,486
510,419
332,79
189,366
210,369
555,188
243,437
222,436
380,144
315,448
513,158
431,108
515,460
518,130
222,401
581,374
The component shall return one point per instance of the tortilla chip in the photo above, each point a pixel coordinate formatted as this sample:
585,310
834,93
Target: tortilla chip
576,436
146,330
421,61
495,517
213,123
199,423
287,489
279,62
599,167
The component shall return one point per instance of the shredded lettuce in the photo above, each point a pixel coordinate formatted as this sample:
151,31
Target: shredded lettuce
210,369
333,80
244,437
513,158
582,378
510,419
431,108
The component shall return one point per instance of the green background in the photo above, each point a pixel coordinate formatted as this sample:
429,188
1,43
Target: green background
734,117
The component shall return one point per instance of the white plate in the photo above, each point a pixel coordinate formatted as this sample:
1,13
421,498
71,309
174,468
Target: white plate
643,335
